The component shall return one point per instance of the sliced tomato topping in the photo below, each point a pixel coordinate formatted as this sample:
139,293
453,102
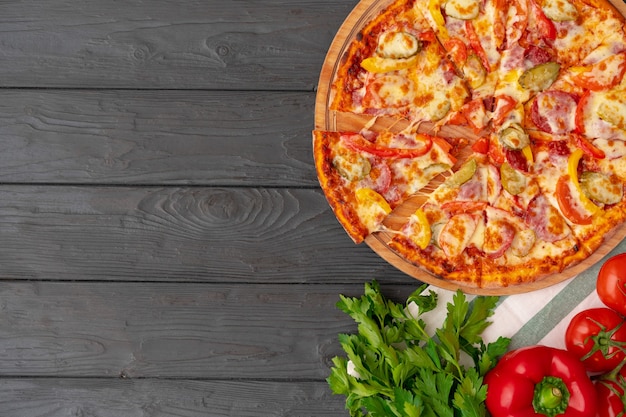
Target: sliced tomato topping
457,118
568,204
589,148
456,50
481,145
504,105
496,152
474,112
359,143
474,42
604,74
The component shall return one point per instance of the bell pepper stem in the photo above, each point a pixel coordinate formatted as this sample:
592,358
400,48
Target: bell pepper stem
551,396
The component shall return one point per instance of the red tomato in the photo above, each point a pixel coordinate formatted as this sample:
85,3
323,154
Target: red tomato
610,392
597,336
611,284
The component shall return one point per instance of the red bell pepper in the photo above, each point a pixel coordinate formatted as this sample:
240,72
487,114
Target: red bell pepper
540,381
359,143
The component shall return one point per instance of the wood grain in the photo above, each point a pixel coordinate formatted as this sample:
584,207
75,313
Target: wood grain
178,234
53,397
256,45
157,137
152,330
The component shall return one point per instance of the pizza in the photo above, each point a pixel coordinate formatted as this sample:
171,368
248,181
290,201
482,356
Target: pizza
488,137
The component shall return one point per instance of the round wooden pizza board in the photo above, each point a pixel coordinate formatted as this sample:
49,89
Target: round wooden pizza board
330,120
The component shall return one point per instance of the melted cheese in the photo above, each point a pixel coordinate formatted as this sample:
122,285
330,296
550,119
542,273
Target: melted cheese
559,10
606,114
462,9
371,208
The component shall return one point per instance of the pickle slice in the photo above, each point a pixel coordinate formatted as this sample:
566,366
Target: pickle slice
601,188
539,77
397,45
513,181
474,71
464,174
610,112
514,137
352,166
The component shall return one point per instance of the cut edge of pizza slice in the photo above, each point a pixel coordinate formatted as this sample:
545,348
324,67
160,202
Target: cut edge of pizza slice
365,175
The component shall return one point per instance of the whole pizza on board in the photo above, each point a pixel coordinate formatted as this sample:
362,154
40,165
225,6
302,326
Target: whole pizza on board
483,141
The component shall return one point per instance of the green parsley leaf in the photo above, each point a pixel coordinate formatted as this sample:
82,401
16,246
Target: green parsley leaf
395,366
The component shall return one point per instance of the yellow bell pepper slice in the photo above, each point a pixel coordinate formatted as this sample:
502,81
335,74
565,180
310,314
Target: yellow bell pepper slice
422,238
572,170
377,64
528,154
434,7
368,197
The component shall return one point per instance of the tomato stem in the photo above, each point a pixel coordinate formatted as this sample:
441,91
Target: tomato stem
551,396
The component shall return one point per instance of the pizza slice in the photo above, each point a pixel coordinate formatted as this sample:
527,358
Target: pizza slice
367,174
472,33
489,227
589,197
395,67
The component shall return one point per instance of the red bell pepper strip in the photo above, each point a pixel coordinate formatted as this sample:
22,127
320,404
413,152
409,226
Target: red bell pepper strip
545,26
589,148
540,380
581,110
359,143
477,47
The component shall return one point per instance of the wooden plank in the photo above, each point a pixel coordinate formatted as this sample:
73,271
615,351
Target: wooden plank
157,137
54,397
149,330
167,44
178,234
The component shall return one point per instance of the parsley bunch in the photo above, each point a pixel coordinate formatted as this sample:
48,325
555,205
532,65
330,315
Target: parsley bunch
395,367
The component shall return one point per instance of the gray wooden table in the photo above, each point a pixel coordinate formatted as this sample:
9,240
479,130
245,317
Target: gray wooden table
165,249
